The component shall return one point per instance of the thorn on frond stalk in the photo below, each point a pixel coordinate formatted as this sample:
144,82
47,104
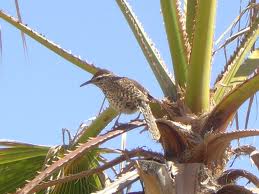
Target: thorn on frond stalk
58,157
24,44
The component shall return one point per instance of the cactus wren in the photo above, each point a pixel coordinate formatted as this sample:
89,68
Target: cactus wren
126,96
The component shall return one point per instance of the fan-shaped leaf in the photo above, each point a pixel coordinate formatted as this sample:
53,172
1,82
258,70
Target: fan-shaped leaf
19,162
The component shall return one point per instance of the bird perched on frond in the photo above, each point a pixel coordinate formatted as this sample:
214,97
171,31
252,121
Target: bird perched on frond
126,96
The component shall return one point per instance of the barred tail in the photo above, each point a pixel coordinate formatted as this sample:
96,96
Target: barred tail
150,120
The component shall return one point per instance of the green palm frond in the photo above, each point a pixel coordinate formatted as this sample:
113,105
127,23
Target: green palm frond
151,53
19,162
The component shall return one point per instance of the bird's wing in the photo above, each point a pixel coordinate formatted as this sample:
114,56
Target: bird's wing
137,85
142,89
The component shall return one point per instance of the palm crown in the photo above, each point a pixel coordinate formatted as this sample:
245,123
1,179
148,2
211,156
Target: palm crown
192,118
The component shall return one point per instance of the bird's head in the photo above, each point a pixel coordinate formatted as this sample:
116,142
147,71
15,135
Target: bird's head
99,78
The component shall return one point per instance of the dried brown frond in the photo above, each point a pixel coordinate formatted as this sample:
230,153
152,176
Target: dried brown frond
243,150
231,176
255,157
176,138
215,145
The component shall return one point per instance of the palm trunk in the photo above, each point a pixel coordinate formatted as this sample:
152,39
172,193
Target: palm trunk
171,178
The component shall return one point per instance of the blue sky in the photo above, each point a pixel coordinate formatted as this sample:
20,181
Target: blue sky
41,95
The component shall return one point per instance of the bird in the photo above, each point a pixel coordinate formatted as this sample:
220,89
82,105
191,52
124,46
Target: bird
126,96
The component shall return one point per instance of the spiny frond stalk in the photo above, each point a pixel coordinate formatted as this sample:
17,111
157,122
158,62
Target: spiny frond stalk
49,44
77,153
233,64
127,154
177,39
198,82
152,55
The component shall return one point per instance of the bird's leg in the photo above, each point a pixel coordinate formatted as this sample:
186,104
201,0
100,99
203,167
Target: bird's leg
116,124
102,106
137,118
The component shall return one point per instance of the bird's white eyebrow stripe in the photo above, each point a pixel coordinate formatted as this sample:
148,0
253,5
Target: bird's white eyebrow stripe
104,75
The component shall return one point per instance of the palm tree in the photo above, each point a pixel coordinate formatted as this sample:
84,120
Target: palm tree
192,119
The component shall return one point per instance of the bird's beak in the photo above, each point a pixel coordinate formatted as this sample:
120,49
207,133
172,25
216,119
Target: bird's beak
88,82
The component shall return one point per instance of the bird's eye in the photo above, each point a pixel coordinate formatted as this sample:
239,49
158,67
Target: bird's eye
98,78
